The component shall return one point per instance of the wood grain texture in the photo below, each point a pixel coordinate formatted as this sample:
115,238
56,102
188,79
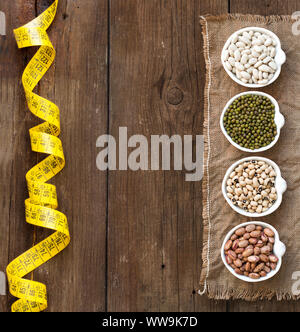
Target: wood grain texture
10,104
156,86
264,7
16,155
76,278
78,84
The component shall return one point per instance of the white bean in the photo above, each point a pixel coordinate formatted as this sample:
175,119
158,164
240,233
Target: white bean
265,68
228,65
245,75
231,61
237,55
273,65
239,66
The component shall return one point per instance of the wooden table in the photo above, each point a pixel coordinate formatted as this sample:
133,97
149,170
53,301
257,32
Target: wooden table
136,236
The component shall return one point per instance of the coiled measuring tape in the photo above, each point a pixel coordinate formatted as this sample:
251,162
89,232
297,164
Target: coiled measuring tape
42,203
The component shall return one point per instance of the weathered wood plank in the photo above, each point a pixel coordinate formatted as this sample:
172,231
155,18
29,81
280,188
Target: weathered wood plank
216,7
265,7
9,104
17,157
155,217
77,82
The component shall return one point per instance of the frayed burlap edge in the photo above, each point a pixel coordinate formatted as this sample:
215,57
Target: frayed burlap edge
247,18
221,292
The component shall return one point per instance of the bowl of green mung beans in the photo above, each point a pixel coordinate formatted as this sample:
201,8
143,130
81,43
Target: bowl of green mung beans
251,121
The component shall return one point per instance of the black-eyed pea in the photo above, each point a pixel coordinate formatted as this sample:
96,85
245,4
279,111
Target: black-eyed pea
250,188
257,198
230,196
255,183
265,204
254,204
259,209
252,173
245,190
230,190
238,191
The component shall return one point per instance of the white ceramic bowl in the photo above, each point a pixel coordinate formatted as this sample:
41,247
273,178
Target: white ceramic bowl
280,185
279,121
280,57
279,251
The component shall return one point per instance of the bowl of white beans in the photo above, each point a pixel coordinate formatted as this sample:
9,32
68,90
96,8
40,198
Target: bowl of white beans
253,57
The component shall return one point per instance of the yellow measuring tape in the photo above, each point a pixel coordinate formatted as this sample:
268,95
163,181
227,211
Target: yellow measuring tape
41,206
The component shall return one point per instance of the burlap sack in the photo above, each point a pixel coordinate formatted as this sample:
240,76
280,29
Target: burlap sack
219,218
